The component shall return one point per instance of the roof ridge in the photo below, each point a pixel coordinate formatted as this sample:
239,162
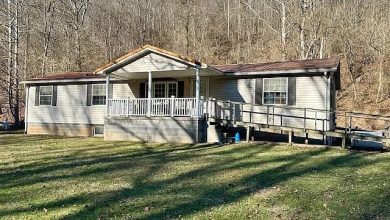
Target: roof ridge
303,64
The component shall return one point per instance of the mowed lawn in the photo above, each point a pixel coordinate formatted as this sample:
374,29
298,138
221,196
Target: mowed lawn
46,177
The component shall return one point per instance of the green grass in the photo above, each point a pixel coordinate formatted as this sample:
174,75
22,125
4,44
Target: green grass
45,177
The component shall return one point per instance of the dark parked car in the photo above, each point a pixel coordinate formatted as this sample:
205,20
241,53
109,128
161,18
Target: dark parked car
4,125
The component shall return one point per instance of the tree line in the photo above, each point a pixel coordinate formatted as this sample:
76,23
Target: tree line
43,37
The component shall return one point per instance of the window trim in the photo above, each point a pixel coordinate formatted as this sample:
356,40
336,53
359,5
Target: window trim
94,130
92,94
263,98
51,96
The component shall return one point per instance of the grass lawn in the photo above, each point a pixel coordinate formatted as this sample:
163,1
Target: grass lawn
45,177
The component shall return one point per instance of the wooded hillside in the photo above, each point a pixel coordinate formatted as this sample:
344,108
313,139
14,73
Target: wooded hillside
42,37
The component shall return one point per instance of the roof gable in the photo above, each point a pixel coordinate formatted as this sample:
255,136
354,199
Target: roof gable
151,62
157,57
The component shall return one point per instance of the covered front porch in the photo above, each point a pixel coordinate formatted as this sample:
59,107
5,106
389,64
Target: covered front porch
168,84
167,104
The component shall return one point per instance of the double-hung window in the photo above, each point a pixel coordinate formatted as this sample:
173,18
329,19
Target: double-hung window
45,95
275,91
98,94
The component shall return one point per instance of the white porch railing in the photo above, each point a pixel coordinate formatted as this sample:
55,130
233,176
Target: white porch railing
305,118
172,107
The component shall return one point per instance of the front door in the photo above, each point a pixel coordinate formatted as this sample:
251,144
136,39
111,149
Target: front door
159,90
164,89
162,107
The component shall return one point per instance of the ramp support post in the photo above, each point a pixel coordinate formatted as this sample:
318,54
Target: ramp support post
248,132
290,137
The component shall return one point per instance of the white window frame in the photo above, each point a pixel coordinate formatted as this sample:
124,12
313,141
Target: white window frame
92,94
166,88
51,96
263,98
94,130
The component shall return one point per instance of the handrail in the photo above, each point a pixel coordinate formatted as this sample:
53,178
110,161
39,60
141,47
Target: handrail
311,118
277,106
306,118
370,116
159,107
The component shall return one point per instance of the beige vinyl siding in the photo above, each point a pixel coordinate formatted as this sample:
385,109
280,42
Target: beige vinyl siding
125,90
311,92
72,105
237,90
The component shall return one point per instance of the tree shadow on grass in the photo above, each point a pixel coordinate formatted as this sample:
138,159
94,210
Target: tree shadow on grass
10,139
36,172
177,192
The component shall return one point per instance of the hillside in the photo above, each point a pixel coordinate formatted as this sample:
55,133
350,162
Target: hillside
43,37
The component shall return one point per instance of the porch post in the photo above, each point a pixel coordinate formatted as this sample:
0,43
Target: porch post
107,92
149,93
197,91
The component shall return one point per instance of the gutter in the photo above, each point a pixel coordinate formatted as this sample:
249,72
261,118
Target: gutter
303,72
51,81
282,72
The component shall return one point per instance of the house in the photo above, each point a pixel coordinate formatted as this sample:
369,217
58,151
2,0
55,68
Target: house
151,94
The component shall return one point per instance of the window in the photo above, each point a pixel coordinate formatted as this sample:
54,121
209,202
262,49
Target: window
98,130
45,95
275,91
159,90
172,89
98,94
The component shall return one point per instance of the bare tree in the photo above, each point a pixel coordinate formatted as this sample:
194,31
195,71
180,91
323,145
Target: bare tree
281,29
13,72
39,37
48,12
75,14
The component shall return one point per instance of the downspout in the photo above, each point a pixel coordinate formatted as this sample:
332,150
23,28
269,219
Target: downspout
26,108
197,90
107,92
149,94
197,100
326,100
